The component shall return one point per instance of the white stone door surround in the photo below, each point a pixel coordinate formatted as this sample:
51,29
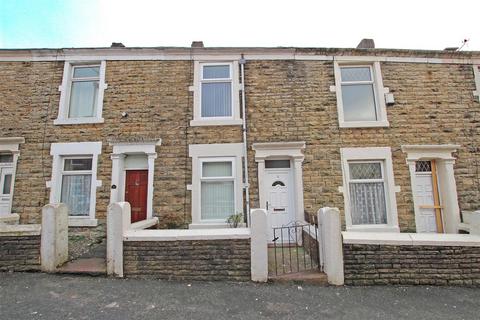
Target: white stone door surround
120,151
281,151
447,187
11,145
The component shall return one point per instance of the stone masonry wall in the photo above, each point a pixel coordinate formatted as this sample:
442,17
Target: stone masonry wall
411,265
20,253
286,101
188,259
434,104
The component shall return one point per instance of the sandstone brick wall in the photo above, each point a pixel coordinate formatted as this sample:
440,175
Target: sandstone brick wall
188,259
411,265
20,253
434,104
286,100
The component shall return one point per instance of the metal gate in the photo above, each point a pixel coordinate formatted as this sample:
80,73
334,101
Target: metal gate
295,249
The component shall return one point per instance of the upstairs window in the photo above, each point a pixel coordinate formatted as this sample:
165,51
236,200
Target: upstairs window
360,95
82,89
216,94
216,91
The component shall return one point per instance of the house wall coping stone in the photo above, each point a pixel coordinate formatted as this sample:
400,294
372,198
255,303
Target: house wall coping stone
412,239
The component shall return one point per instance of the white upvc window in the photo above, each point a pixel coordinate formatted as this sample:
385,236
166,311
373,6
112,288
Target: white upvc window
216,94
360,95
77,185
81,99
369,190
217,195
216,185
366,187
74,180
476,74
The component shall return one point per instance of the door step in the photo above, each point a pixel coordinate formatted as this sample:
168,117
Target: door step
85,266
306,277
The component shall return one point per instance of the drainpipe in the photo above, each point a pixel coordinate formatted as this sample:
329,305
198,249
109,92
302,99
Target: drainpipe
246,185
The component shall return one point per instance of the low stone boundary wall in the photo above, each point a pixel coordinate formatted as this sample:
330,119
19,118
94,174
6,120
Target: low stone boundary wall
217,254
411,259
20,247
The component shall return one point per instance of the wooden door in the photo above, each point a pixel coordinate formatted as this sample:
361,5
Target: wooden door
136,187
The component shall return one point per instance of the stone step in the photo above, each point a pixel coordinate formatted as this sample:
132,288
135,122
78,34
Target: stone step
305,277
85,266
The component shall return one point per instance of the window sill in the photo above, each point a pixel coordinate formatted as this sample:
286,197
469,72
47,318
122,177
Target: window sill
223,122
373,228
364,124
82,222
78,121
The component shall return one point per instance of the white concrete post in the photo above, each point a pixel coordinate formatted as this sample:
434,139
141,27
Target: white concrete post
118,221
331,238
54,239
259,245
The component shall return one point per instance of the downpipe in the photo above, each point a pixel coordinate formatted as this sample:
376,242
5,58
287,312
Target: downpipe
246,185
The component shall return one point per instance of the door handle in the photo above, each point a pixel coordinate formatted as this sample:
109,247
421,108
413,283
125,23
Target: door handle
267,205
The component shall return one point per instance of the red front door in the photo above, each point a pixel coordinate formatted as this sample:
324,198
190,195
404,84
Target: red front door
136,187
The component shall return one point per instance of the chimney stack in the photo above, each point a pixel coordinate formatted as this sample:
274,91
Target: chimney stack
197,44
366,44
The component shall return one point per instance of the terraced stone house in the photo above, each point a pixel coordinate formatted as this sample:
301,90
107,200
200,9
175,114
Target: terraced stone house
194,135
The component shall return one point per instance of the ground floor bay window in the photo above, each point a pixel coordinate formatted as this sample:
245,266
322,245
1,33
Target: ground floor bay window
216,184
369,190
74,180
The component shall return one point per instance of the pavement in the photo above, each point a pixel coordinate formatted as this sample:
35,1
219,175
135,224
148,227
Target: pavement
47,296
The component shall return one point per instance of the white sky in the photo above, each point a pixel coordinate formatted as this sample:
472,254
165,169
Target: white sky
412,24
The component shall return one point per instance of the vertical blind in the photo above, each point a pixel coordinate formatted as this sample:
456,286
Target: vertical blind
216,91
217,190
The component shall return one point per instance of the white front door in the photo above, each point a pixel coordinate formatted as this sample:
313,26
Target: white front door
424,198
280,203
6,177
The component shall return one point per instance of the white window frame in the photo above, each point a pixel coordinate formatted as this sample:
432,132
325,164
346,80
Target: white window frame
201,153
75,172
65,89
12,146
231,178
476,74
364,155
62,151
379,94
198,80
